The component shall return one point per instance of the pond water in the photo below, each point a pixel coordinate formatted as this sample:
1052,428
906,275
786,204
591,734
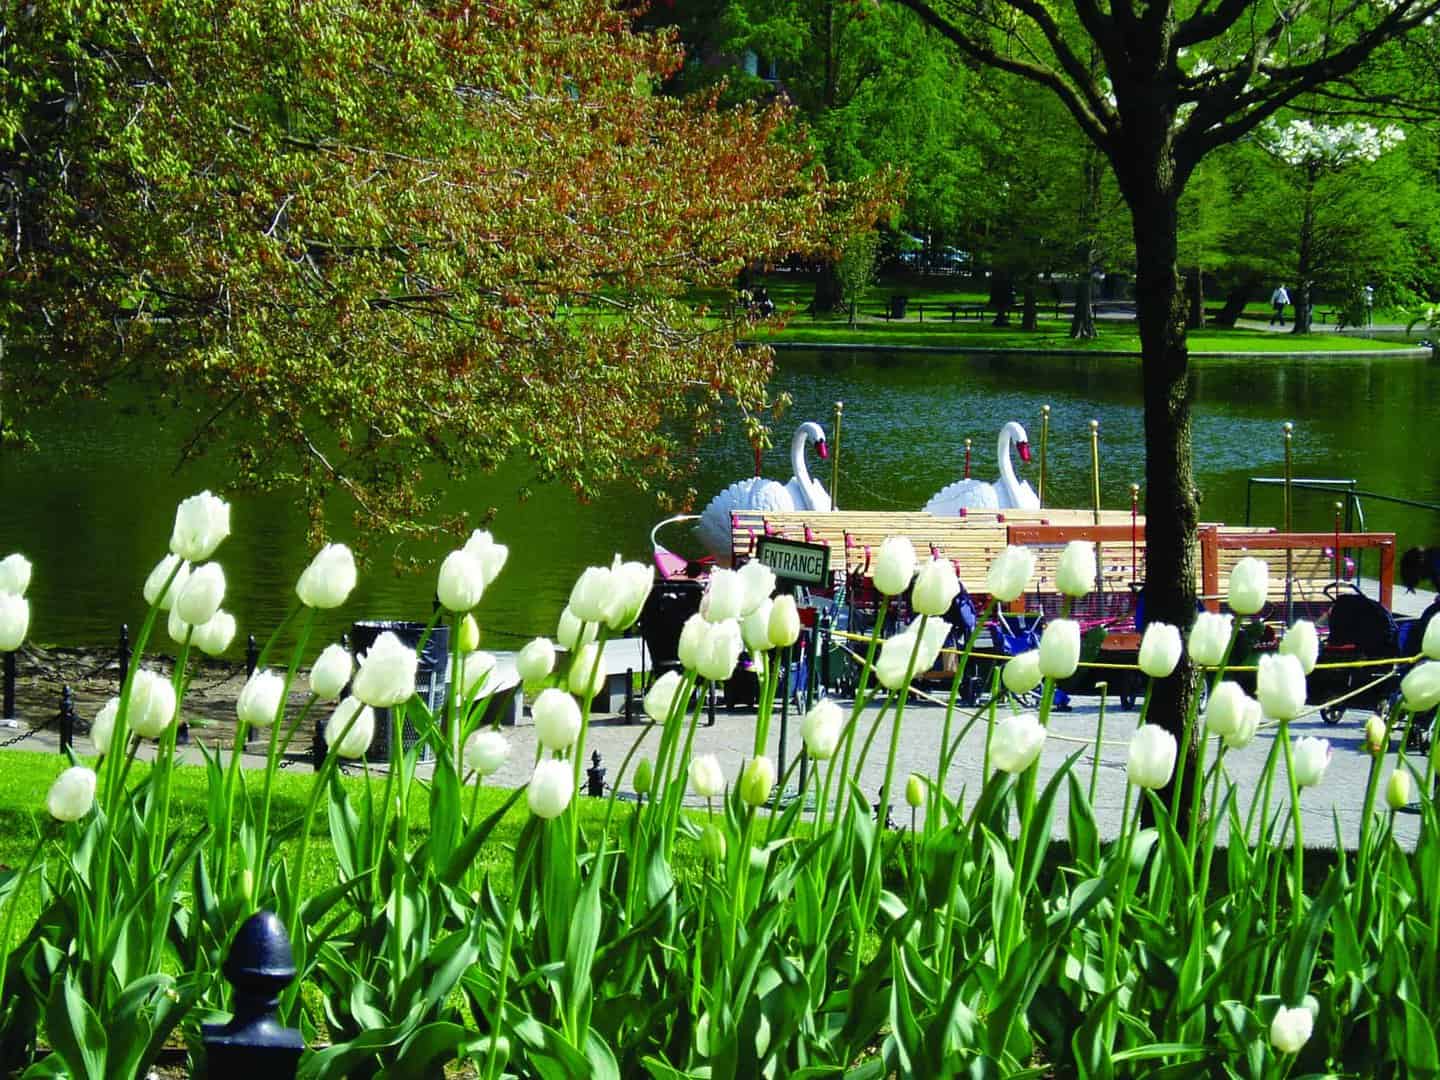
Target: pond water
93,507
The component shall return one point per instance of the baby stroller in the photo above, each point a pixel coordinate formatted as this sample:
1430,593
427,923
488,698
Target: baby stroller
1012,635
1360,629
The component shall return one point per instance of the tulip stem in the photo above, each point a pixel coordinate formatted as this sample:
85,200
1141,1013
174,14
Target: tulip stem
1298,899
1127,839
586,701
1099,740
860,692
900,697
961,666
498,1020
1203,889
272,754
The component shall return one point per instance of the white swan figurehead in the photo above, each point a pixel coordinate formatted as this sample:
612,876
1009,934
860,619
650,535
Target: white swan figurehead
757,493
1005,494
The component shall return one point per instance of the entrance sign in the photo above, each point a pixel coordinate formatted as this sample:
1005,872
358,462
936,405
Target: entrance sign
792,560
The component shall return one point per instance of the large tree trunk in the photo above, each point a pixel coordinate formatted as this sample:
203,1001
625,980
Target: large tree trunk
829,294
1235,301
1082,322
1195,290
1030,310
1002,296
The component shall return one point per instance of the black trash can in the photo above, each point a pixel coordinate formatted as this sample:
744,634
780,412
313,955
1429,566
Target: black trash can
897,306
667,608
431,678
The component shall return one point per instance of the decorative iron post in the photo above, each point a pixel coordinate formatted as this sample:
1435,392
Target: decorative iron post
595,777
67,719
254,1043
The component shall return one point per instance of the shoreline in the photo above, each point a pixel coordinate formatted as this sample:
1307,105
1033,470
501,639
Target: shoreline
1407,352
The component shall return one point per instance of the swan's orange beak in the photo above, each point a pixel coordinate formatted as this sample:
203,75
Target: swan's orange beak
1024,449
822,450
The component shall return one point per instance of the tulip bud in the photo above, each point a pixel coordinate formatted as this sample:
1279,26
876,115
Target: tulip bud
1280,687
572,632
552,785
1209,638
386,675
201,523
1021,672
1291,1028
663,695
706,778
1377,739
719,651
331,672
587,673
1397,789
784,622
644,778
1430,645
1010,573
1302,642
1225,713
757,583
461,583
632,582
152,704
936,587
474,670
1077,571
821,729
1152,757
202,595
535,661
1159,650
1249,586
14,621
14,574
1312,758
724,596
713,843
692,636
327,582
260,698
72,795
491,556
350,728
102,728
486,751
894,565
160,576
1421,686
757,781
1016,742
593,594
755,628
1060,648
915,791
557,719
468,633
215,636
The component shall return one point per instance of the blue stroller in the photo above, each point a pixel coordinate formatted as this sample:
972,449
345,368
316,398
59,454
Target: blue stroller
1014,634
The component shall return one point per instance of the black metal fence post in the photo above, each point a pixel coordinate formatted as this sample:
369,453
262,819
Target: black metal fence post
254,1043
67,719
252,661
124,651
595,777
9,686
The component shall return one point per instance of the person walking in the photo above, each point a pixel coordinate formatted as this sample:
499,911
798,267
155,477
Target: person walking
1368,295
1278,299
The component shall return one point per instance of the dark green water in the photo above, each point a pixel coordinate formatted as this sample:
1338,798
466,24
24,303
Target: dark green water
93,508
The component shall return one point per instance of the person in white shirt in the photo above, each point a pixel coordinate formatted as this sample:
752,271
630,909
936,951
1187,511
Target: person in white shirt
1278,299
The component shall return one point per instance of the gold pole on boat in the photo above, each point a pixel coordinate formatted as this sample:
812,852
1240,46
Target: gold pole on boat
967,459
1339,511
1289,519
1134,533
835,459
1095,467
1044,442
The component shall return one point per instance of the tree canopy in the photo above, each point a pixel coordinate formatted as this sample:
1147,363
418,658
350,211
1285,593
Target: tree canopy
380,237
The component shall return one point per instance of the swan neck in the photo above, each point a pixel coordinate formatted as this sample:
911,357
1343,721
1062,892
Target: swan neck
1007,470
797,465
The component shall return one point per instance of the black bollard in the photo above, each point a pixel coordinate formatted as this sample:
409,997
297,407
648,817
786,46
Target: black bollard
710,707
9,686
595,777
67,719
629,693
252,661
124,651
259,966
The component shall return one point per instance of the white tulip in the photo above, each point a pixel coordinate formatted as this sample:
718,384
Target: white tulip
1430,646
692,636
894,565
1291,1029
260,698
1226,711
102,728
706,777
1302,642
1280,687
1159,650
202,595
1009,575
178,629
632,582
331,672
551,787
1016,742
1397,789
724,596
14,621
784,622
170,564
461,583
475,669
894,661
1249,586
663,695
821,729
350,728
757,781
557,719
1249,725
15,574
1312,758
1376,738
572,632
1060,648
1077,571
535,661
1421,686
755,628
467,634
936,587
593,594
201,523
1021,672
72,795
492,556
1152,757
485,751
587,674
215,636
386,675
719,651
327,582
152,704
1209,638
757,583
